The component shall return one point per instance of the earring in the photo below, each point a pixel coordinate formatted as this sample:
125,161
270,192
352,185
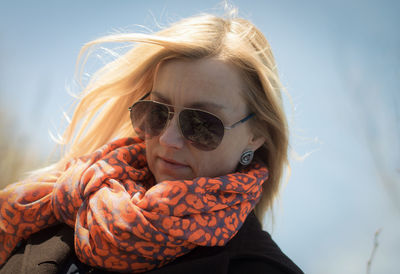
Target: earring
246,157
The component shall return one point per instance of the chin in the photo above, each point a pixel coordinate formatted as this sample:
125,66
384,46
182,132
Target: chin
171,177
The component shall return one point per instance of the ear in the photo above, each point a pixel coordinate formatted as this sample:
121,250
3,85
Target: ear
256,142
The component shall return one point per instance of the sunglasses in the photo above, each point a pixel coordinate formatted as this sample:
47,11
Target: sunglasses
202,129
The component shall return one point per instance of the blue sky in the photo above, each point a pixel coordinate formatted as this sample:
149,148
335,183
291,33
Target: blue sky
340,63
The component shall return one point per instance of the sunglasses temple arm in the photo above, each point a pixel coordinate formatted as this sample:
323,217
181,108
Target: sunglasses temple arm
241,121
144,96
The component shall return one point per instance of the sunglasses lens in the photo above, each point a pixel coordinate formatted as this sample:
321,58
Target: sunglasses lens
204,130
149,118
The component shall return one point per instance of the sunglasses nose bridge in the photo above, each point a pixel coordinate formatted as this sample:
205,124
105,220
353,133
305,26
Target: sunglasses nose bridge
171,135
171,114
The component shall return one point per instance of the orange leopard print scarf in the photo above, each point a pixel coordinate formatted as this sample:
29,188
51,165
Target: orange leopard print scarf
123,220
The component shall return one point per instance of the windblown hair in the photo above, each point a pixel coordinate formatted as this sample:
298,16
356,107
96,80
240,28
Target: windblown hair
102,113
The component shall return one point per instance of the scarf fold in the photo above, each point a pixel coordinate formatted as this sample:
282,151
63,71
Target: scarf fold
123,220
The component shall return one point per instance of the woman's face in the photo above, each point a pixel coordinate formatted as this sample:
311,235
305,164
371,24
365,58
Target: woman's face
206,84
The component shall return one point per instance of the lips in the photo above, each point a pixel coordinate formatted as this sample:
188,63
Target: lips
172,162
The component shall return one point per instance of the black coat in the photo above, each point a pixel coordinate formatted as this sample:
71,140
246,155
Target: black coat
251,251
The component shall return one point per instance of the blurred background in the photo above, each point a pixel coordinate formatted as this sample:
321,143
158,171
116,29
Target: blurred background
340,63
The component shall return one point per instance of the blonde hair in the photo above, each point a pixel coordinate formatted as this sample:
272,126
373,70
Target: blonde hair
102,113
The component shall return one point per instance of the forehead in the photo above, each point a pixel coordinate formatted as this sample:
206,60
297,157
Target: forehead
186,81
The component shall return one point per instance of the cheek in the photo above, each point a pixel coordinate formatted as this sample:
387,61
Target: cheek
225,158
216,163
150,147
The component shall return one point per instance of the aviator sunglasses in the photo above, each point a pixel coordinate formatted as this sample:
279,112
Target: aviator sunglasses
202,129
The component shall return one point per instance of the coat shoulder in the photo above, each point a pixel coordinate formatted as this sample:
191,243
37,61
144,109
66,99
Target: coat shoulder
253,248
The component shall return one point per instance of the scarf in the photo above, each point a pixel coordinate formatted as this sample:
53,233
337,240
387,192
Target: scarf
124,221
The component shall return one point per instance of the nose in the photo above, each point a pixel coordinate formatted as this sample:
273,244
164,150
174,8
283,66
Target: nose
171,135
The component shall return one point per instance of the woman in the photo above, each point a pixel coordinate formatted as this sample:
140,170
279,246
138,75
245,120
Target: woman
179,191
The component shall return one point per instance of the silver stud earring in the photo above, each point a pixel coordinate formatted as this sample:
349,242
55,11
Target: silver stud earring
246,157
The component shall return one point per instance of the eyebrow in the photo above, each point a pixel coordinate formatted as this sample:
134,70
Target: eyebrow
200,105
